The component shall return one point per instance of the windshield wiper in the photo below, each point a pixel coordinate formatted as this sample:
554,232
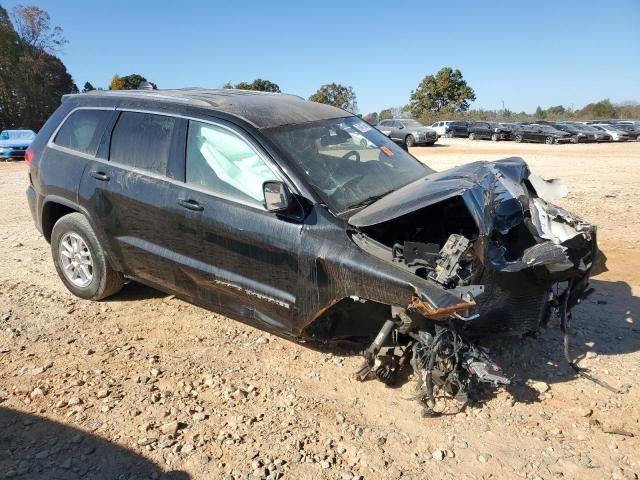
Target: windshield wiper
367,201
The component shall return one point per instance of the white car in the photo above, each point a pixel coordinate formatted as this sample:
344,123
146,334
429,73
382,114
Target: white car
441,128
617,135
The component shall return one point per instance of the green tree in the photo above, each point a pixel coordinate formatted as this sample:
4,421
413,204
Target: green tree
386,114
540,114
258,84
336,95
446,91
88,87
598,110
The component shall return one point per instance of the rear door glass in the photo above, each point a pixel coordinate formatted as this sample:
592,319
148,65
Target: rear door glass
82,130
143,140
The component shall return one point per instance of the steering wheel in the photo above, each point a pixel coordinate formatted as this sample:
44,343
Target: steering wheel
350,154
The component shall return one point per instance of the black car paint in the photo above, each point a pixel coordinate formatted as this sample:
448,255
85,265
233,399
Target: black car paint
281,272
488,131
266,269
534,133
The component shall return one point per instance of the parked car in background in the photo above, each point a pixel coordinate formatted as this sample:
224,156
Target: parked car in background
488,130
632,130
599,135
408,132
441,128
450,128
14,143
458,129
617,134
580,135
541,134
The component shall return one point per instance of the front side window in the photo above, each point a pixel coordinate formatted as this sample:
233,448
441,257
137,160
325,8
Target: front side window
344,170
143,140
82,130
222,162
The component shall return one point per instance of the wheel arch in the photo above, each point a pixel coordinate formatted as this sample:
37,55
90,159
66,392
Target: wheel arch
55,207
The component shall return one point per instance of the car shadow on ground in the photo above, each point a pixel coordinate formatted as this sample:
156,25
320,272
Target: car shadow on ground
41,449
604,325
134,291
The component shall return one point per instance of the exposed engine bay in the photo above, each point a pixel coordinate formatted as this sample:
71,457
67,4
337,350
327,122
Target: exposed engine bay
490,236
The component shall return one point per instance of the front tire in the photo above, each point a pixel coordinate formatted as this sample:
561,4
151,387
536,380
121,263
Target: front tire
549,140
494,137
410,141
518,138
472,136
80,260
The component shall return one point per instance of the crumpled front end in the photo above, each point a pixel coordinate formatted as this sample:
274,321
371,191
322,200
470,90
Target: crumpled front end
488,233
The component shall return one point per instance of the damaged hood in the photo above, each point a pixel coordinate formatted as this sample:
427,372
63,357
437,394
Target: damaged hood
499,196
483,185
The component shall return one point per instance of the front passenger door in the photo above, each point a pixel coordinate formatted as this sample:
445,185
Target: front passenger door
240,259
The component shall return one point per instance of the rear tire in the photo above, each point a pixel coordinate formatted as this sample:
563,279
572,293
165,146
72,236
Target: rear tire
409,141
518,138
472,136
76,248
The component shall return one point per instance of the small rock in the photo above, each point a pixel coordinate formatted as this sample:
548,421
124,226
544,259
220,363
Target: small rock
325,464
171,427
484,457
37,393
590,355
198,417
61,404
583,411
540,387
437,455
42,455
143,442
102,393
73,401
187,448
89,351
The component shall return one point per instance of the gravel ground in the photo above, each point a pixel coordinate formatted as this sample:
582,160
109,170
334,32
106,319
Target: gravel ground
145,385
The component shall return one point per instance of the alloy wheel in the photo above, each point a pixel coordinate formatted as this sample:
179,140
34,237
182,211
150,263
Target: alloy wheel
76,259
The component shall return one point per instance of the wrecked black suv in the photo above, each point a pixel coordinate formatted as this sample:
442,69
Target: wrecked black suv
267,208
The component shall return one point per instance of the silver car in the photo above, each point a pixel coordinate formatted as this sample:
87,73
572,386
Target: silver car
407,132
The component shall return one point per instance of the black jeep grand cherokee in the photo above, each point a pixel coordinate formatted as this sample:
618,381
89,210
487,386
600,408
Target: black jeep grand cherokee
272,210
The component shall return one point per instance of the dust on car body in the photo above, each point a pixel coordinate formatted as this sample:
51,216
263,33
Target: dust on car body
303,220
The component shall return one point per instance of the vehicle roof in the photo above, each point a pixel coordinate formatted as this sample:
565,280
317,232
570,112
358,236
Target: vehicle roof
260,109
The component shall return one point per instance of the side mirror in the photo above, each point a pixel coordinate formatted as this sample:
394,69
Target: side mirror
277,197
401,127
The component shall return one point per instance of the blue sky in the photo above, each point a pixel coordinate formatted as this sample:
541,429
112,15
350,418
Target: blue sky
526,54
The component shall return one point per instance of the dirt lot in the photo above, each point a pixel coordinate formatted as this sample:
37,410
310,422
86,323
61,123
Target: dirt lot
145,384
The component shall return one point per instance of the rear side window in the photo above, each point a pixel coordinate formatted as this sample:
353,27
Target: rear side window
82,130
143,140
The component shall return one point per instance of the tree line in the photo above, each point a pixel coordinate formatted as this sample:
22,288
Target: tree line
33,80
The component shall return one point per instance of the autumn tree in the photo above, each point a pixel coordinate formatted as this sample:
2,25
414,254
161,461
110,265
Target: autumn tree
446,91
34,28
128,82
32,78
336,95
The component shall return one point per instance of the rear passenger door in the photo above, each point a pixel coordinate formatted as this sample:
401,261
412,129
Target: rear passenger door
126,191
